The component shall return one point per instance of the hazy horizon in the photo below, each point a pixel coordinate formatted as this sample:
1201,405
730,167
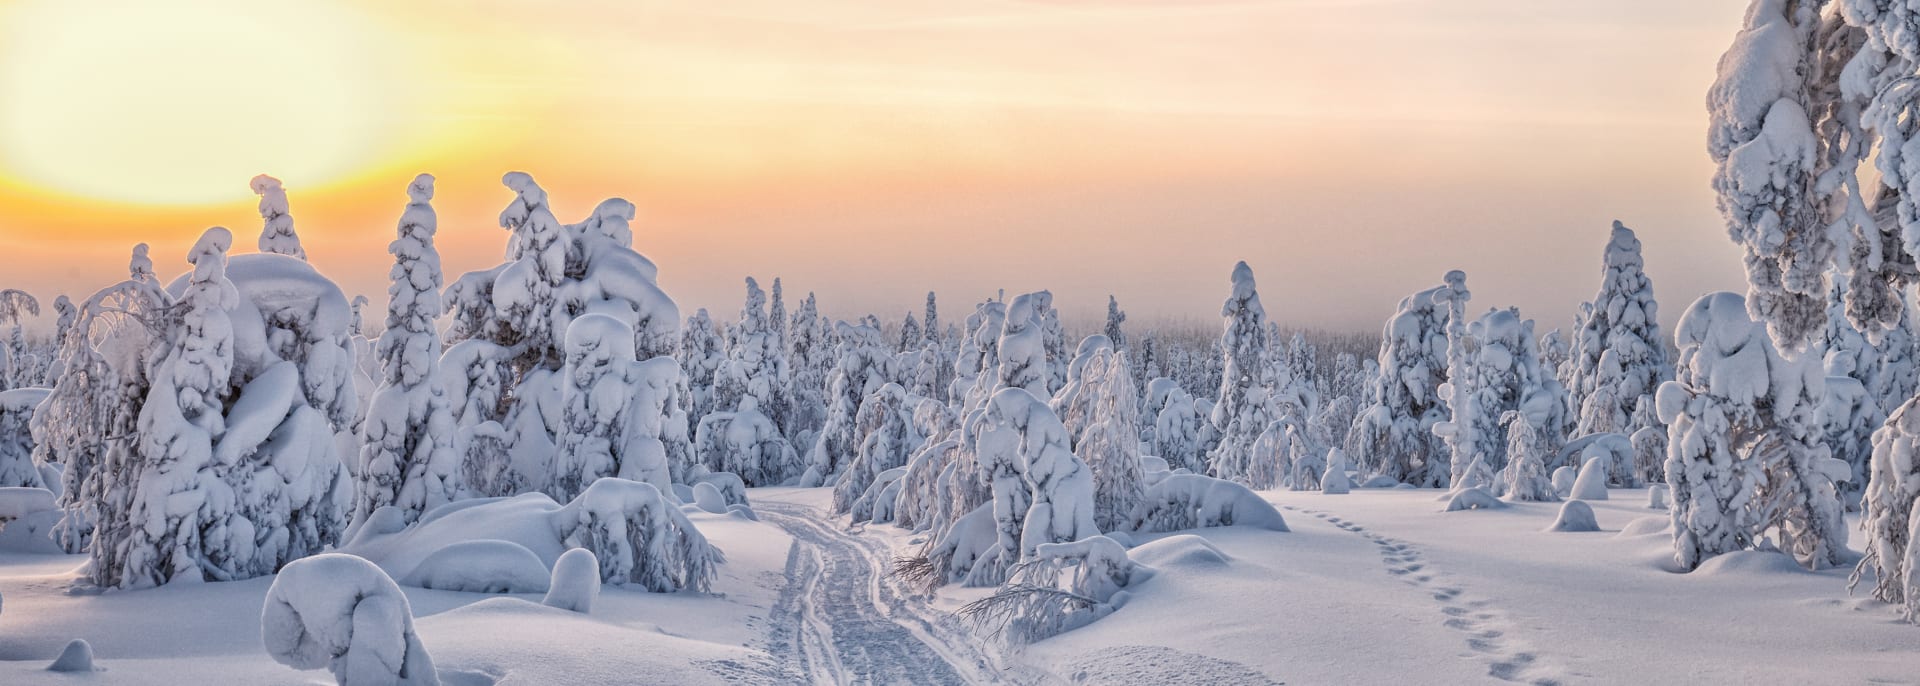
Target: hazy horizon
1137,148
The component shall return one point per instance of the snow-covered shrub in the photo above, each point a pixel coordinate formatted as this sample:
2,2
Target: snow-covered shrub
1394,436
1064,586
1194,501
1592,482
343,613
575,583
1472,498
406,457
1575,516
1649,443
1744,453
745,442
1617,356
486,566
639,536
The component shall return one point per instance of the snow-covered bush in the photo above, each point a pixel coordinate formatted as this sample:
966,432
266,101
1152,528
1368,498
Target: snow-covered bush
1176,425
1526,471
1194,501
1064,586
343,613
406,456
1617,356
1744,453
1042,493
485,566
1336,481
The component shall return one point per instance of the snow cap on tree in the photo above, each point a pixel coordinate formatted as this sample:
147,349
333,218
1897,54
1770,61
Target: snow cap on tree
276,233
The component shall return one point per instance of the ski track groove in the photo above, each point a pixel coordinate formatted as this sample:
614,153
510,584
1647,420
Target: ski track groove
840,620
1477,620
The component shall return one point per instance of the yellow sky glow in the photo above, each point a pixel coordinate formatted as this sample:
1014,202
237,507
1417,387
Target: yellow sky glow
1357,148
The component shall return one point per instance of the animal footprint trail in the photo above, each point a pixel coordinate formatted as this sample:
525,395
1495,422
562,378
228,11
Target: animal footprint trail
1474,619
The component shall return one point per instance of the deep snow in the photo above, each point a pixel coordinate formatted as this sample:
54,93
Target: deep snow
1375,586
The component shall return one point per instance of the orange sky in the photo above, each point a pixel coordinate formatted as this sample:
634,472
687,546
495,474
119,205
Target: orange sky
1350,150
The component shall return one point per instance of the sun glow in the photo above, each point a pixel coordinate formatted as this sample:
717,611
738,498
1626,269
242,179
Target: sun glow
181,103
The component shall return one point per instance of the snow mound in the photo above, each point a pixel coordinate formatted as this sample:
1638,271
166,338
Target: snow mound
486,566
1184,551
1592,482
1749,563
1192,501
1575,515
576,582
1563,479
708,498
1646,526
77,657
1380,481
1473,499
20,501
1142,664
342,613
1657,497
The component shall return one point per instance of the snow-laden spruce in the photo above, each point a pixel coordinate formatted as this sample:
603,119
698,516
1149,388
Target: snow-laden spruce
1745,452
276,230
1176,425
1499,372
406,454
1108,443
342,613
1393,437
863,365
1242,411
890,437
1617,356
1064,587
1073,403
1042,493
615,410
1850,416
17,468
521,311
756,361
746,443
235,469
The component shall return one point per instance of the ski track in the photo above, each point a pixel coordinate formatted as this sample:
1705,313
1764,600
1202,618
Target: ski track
1481,625
840,620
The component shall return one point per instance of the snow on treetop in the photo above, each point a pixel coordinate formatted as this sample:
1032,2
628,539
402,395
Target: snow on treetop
216,240
273,197
1757,71
421,190
1623,247
605,336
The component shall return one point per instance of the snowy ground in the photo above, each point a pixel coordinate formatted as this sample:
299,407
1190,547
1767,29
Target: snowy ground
1372,587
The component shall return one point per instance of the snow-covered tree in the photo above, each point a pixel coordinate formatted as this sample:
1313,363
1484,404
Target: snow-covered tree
1023,355
604,389
1042,493
1176,425
1242,412
756,361
1555,351
811,358
1499,372
910,334
703,353
746,443
15,307
887,439
522,308
1617,354
1745,452
406,457
1649,443
1526,471
1114,319
1393,437
1850,418
1108,442
1074,402
861,369
276,231
1054,340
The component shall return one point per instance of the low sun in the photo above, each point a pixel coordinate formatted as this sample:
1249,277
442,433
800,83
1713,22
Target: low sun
182,103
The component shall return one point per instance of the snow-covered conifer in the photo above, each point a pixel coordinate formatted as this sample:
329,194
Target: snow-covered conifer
860,370
276,232
811,358
1114,319
407,458
1176,425
1242,412
1393,436
887,439
756,362
1617,354
746,443
1108,442
1526,472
